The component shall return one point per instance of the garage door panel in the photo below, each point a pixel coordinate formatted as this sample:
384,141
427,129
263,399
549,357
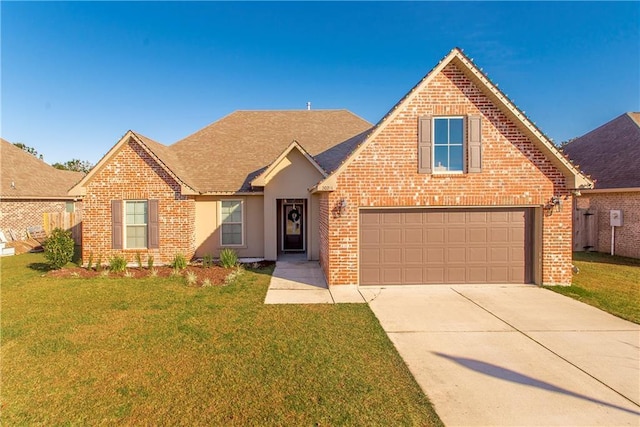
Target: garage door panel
392,276
370,256
477,254
369,236
412,276
499,234
477,235
413,256
371,276
431,246
434,236
434,255
456,255
413,236
391,256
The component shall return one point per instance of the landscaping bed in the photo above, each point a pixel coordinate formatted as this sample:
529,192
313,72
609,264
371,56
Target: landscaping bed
196,275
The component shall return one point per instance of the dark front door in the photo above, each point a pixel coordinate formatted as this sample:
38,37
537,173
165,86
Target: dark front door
293,226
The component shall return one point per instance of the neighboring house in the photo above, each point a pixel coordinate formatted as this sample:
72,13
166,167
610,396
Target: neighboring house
453,185
610,154
29,189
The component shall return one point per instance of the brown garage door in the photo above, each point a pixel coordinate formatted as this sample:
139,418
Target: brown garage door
434,246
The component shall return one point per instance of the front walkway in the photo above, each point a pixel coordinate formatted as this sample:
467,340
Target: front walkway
298,281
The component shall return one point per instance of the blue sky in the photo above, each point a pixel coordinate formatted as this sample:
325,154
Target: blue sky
76,76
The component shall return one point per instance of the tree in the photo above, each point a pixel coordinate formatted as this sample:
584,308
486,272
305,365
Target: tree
75,165
28,149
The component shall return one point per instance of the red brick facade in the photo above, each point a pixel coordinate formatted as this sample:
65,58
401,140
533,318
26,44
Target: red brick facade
385,174
627,237
18,215
132,174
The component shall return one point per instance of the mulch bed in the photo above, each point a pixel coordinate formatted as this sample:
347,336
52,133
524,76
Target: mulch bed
215,274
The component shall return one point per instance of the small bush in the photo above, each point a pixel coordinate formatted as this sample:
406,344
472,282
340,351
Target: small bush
118,264
206,283
207,261
139,260
99,263
191,278
153,272
90,262
233,275
128,273
150,262
58,248
179,262
228,258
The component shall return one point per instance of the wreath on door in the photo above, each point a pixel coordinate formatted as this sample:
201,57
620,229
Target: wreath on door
294,215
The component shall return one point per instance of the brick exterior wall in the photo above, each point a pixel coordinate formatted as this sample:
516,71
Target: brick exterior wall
18,215
384,174
131,174
627,237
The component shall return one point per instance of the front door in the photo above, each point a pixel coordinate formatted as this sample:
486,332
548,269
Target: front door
293,226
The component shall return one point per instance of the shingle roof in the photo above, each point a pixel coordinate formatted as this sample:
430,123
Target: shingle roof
228,154
25,176
610,153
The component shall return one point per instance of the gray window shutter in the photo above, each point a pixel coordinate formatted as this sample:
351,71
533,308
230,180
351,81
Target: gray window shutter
424,144
474,144
153,225
116,224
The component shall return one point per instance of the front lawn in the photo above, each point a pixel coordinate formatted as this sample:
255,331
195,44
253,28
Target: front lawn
611,283
154,351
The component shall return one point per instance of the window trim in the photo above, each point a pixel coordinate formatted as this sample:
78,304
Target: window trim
125,225
464,146
242,224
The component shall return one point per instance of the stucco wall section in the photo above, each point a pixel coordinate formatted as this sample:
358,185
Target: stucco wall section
132,174
627,237
384,174
208,238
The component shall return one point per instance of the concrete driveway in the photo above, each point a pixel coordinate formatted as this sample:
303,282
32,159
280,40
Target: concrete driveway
514,355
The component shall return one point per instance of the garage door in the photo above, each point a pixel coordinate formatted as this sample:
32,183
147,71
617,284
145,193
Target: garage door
437,246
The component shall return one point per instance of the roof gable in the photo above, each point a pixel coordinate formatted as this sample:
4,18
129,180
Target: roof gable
574,178
610,153
24,176
262,179
160,153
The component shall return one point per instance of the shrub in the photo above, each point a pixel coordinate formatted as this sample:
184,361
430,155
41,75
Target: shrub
191,278
117,264
58,248
139,260
206,283
228,258
90,262
179,262
150,262
153,272
99,263
207,261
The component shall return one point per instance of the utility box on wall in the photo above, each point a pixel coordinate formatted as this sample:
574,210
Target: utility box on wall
616,217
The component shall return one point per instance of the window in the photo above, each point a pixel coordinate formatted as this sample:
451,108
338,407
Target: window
448,139
445,144
70,207
231,222
136,224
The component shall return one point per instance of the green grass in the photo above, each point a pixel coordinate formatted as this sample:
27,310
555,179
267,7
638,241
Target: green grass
153,351
611,283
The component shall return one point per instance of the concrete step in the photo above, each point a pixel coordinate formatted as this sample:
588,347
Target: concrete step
8,251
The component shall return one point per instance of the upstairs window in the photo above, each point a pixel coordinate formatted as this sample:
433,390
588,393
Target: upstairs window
448,140
450,144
